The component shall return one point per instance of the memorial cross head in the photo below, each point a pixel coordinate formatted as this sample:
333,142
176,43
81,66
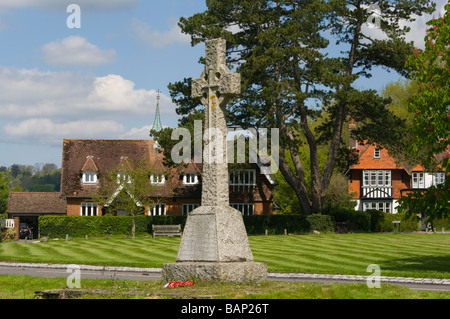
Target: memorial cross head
216,81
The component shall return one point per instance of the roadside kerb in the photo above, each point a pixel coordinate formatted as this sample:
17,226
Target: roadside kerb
271,275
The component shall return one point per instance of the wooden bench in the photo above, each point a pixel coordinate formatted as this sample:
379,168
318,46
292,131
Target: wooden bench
166,230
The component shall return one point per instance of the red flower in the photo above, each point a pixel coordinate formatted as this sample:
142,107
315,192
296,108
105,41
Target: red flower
174,284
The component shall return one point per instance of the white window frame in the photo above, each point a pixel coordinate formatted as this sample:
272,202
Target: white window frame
438,178
242,177
376,153
157,179
88,209
190,179
418,180
189,207
89,177
246,209
123,177
377,178
158,210
384,206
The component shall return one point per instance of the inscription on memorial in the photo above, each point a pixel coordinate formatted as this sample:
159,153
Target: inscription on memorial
199,242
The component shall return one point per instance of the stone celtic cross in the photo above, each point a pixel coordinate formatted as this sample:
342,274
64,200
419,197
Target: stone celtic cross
215,87
214,245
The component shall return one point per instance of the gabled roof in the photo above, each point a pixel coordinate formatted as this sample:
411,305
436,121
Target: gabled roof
124,165
37,202
89,165
158,166
366,160
106,155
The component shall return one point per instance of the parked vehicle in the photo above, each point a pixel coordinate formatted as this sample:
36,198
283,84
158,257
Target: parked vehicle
25,232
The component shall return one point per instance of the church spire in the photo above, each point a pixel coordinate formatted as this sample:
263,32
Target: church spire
157,124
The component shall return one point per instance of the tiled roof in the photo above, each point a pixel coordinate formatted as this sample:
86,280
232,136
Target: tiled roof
24,202
89,165
107,155
366,160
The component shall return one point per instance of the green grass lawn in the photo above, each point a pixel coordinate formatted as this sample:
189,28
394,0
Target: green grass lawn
404,255
24,287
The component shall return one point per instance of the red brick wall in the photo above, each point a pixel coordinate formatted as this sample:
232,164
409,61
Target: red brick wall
74,207
400,180
354,183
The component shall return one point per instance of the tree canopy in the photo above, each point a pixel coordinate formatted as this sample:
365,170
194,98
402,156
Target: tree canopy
291,81
126,188
431,124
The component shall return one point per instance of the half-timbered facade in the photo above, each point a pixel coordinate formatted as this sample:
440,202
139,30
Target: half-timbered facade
378,181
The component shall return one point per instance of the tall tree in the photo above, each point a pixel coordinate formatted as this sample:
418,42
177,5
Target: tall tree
289,82
431,107
7,184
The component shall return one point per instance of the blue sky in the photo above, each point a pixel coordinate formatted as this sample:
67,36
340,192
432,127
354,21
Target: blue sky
100,80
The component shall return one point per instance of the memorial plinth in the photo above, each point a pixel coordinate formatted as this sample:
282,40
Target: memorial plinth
214,245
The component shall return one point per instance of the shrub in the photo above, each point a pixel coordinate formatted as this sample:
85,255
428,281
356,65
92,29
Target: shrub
275,224
383,222
7,234
441,223
322,223
360,219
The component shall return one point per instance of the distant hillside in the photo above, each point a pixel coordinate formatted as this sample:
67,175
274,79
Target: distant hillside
35,178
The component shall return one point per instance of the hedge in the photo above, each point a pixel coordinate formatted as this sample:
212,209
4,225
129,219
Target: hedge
360,220
96,226
321,223
374,220
382,222
80,226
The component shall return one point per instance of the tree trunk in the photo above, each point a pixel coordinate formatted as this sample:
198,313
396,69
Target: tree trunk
297,182
133,227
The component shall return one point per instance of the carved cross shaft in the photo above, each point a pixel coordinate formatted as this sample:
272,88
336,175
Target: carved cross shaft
215,87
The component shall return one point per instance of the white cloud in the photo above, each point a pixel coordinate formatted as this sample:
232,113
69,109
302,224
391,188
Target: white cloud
63,104
75,51
417,27
31,93
45,128
62,4
138,133
113,92
156,39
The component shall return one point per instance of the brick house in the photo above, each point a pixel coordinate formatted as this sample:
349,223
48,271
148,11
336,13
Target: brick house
378,181
176,192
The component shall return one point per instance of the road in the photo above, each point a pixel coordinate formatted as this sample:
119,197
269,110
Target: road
130,273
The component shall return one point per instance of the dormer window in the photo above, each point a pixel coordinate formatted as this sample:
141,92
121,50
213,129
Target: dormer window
123,177
89,171
190,179
376,153
157,179
89,177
